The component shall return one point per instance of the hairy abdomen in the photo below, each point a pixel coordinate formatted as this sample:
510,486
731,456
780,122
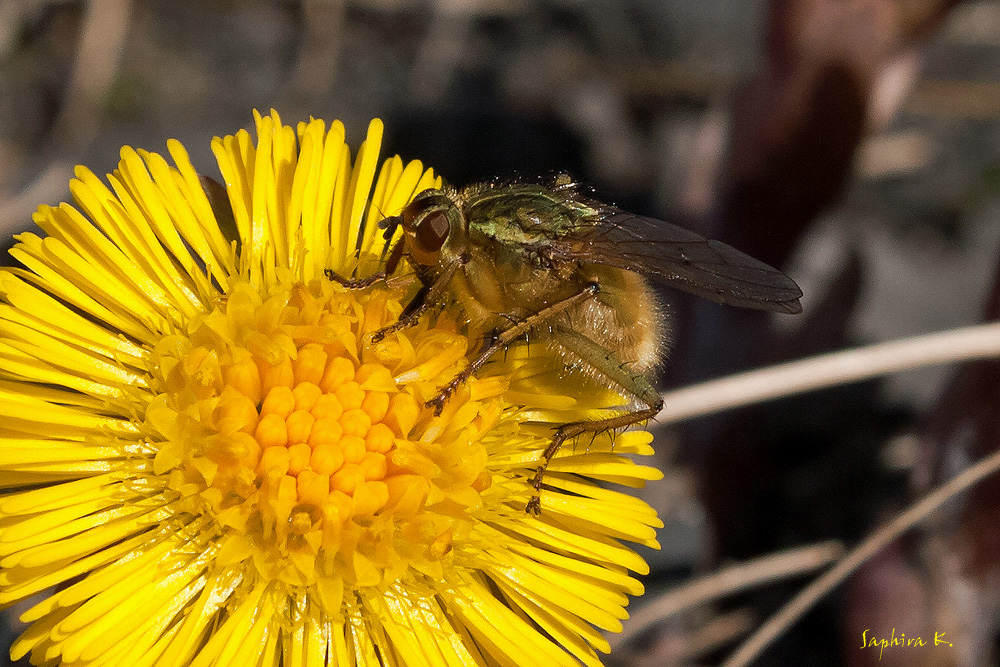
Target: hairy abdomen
624,317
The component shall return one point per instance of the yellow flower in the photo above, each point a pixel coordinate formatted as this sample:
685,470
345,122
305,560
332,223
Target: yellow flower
204,461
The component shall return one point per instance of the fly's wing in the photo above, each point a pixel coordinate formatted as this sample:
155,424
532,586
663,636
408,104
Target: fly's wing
687,261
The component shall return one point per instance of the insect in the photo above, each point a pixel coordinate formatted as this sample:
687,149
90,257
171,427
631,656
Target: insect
543,260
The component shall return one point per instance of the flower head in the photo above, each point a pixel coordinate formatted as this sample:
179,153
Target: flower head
204,454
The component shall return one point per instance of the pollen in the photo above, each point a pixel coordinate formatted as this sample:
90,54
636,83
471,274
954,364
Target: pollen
292,428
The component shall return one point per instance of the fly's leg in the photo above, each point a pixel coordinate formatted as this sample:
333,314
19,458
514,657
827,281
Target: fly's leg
428,295
504,338
411,313
607,363
355,283
395,282
573,429
417,306
391,263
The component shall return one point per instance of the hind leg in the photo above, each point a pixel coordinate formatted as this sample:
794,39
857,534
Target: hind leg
607,364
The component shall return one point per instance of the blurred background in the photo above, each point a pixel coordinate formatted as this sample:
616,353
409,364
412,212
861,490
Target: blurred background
853,143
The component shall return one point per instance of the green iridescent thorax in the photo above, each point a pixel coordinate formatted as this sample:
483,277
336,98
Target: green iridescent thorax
522,214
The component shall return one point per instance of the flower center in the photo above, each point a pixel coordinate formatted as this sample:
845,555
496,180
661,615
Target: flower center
311,430
278,418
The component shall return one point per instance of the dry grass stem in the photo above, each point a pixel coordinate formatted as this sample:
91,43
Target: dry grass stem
827,370
804,601
729,580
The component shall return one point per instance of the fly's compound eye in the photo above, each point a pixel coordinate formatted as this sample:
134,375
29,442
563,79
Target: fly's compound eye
431,233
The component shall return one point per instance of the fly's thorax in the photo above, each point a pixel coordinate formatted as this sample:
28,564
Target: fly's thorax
496,286
523,214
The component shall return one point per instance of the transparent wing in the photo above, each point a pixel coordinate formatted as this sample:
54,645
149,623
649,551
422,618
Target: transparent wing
686,260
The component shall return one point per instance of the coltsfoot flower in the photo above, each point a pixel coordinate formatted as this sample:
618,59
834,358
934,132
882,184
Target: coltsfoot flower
205,461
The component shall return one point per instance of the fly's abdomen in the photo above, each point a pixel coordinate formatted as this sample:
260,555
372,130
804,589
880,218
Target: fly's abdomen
624,316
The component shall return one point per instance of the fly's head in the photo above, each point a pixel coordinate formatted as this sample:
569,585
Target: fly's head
434,231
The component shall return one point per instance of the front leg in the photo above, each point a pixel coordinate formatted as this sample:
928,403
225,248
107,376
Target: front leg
395,255
355,283
410,315
505,338
608,364
428,295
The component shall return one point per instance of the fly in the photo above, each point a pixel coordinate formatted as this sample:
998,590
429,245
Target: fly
525,258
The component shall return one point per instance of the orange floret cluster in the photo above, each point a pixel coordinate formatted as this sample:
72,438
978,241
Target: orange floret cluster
313,428
280,416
